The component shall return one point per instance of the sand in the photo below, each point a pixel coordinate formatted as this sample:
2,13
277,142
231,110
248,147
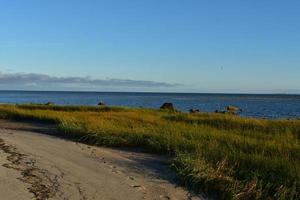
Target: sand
35,165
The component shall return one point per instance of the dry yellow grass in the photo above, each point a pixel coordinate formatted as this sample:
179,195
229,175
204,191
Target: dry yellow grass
229,156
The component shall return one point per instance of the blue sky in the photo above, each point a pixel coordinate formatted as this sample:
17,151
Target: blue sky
151,45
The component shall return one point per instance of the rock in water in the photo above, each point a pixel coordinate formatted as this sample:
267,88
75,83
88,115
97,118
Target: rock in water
194,110
226,112
233,109
101,103
167,106
49,104
220,111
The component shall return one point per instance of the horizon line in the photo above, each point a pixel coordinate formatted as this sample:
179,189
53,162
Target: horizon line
158,92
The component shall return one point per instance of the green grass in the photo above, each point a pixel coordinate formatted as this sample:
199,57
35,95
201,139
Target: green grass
223,155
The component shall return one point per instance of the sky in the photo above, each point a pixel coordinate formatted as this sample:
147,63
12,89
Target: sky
213,46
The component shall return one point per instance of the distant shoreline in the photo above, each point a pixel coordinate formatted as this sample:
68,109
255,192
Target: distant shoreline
140,92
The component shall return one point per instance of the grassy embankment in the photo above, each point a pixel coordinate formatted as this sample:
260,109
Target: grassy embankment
228,156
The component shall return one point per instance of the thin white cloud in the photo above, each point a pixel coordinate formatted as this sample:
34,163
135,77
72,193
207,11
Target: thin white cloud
41,81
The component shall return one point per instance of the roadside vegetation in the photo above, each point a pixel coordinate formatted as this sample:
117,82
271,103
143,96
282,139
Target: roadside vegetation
226,156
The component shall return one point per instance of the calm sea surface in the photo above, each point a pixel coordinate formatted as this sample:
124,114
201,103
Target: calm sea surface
261,106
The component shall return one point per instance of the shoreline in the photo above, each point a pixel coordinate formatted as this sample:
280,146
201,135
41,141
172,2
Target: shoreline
150,108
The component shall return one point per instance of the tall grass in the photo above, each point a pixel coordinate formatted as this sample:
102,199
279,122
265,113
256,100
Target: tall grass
225,156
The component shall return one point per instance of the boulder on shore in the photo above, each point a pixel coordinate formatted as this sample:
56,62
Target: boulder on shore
167,106
233,108
194,110
220,111
49,104
226,112
101,103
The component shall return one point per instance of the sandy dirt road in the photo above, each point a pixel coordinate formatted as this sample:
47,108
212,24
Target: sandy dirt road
35,165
